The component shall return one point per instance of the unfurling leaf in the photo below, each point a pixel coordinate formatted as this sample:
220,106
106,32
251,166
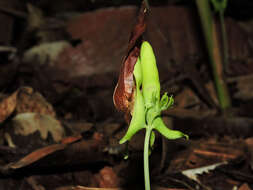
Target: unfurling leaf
166,102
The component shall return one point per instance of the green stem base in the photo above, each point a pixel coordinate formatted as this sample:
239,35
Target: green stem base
146,158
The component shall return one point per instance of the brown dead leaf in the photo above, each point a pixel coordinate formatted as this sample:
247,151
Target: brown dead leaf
107,178
122,96
244,86
26,124
24,100
29,100
125,86
139,28
7,106
35,156
68,140
244,186
73,152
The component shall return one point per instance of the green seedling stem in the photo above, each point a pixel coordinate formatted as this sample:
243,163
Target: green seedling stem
210,36
146,158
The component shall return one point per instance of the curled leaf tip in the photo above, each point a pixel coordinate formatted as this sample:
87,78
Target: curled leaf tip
186,137
123,140
166,132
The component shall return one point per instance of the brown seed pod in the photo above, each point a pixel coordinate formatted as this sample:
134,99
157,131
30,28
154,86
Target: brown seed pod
124,90
123,93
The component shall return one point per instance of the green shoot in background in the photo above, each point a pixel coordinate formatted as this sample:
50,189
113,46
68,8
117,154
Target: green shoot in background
213,50
220,7
148,106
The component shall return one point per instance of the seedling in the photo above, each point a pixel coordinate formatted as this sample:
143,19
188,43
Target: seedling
147,105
